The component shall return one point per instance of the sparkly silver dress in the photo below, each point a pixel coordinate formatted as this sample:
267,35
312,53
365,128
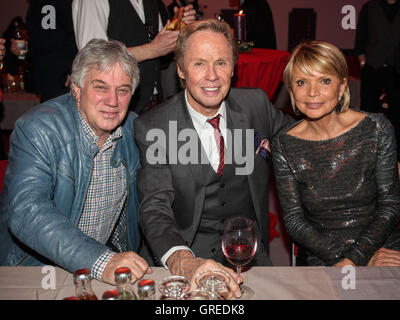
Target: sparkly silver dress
340,198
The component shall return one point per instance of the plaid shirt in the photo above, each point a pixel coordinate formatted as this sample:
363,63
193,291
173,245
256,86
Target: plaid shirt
103,217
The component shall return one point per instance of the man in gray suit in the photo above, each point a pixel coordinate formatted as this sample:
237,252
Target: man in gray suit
203,157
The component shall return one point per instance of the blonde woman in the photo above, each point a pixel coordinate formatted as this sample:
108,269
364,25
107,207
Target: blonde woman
336,170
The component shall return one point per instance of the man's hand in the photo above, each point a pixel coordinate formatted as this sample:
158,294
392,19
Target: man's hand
164,42
385,258
189,14
15,48
130,259
183,263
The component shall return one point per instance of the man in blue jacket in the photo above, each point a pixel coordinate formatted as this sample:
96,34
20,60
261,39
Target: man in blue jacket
70,195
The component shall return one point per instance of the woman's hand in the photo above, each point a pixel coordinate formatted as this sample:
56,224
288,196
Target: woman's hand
385,258
344,262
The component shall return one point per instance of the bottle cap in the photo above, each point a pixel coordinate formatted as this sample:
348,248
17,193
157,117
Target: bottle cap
82,274
146,288
122,273
111,295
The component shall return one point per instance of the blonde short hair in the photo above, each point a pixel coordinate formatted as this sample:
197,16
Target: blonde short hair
322,57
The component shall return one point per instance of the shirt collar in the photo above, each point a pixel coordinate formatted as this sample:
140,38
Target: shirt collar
200,119
116,134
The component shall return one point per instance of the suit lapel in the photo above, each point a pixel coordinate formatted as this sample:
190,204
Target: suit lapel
194,170
237,118
185,122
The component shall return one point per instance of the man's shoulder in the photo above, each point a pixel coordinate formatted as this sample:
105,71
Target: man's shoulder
50,113
249,99
164,111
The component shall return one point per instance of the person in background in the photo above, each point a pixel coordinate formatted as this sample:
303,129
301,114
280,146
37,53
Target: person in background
378,48
52,46
2,48
183,3
138,25
184,205
259,23
3,153
70,196
336,170
12,63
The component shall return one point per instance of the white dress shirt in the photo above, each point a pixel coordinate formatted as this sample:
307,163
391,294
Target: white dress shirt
205,132
90,18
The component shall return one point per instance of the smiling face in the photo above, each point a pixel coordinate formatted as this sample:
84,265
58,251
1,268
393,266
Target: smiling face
207,70
317,94
104,100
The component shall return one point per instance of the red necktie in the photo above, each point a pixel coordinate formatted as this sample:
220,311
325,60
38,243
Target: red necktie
220,143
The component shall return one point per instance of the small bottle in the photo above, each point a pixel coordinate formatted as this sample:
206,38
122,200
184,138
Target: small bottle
20,38
83,285
146,289
123,277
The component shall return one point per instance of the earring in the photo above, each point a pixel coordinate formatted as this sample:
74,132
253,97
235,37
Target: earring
296,111
339,105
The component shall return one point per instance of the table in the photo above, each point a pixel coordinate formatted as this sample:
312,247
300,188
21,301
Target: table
261,68
269,283
14,105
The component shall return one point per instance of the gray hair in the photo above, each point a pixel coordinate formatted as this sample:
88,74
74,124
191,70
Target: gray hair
103,55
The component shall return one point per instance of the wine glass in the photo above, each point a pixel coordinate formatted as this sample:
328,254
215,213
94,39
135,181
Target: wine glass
173,287
239,244
215,281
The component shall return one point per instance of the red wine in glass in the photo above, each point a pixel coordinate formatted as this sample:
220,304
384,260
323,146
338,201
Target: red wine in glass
239,244
240,254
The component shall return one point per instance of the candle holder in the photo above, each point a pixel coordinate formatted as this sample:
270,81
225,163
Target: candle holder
245,46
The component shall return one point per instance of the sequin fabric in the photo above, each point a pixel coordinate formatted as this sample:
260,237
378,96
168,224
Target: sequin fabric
340,197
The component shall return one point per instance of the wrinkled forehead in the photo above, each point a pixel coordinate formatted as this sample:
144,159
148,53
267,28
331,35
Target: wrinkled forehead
105,71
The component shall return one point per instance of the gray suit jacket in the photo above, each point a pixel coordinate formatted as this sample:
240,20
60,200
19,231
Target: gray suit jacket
172,194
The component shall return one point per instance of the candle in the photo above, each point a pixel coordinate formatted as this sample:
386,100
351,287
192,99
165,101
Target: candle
240,26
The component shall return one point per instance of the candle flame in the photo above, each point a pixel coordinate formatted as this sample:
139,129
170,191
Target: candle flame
241,12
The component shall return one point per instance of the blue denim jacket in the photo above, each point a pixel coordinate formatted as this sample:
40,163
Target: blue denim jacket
49,170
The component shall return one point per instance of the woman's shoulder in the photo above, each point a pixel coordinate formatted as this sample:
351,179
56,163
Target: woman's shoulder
379,119
292,129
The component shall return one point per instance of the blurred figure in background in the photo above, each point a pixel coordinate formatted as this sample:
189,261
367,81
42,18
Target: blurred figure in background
16,62
3,154
12,62
260,23
378,49
136,23
52,46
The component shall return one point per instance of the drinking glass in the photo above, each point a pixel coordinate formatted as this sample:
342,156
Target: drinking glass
215,281
173,287
198,294
239,244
